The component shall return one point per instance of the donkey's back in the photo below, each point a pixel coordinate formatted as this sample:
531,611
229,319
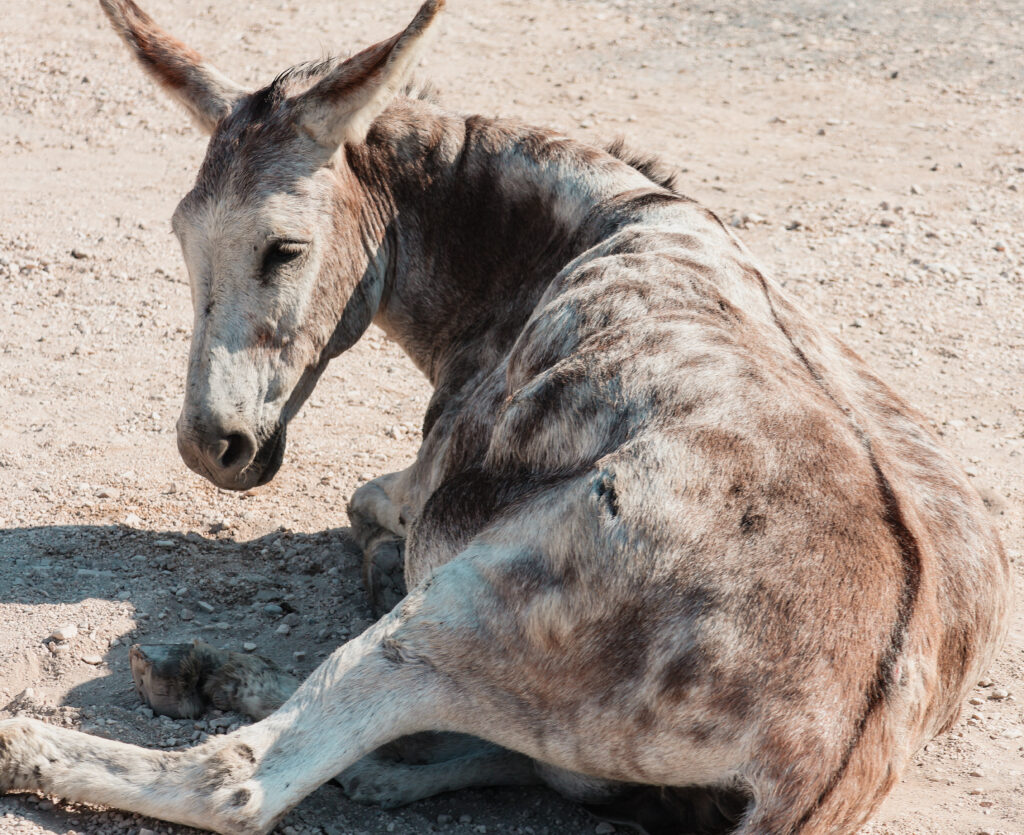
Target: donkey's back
754,562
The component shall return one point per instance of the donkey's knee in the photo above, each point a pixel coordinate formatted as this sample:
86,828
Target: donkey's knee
375,508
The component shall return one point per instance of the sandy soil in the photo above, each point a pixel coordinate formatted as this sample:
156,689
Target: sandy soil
873,157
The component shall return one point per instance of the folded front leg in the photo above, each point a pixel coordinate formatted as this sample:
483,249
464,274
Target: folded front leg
378,516
183,680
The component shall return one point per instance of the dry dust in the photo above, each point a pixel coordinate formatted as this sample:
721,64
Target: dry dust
871,153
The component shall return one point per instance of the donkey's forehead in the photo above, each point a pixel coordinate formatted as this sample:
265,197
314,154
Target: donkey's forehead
250,157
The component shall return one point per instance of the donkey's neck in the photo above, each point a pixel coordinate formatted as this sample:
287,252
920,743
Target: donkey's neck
480,215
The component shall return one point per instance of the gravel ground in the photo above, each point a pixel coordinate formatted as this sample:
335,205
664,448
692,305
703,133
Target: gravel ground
871,155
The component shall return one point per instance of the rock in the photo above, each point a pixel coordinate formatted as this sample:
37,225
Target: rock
292,619
64,633
187,614
998,694
299,655
133,520
916,189
443,819
249,646
107,493
206,607
977,773
604,828
94,660
1012,733
80,254
976,700
273,610
283,629
984,682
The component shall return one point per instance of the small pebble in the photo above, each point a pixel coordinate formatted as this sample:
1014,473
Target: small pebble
604,828
249,646
998,694
299,655
443,819
283,629
272,609
92,659
206,607
292,619
187,614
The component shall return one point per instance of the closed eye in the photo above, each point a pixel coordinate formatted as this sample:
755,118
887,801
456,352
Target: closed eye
280,253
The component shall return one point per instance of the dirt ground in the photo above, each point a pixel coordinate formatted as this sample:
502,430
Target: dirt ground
871,154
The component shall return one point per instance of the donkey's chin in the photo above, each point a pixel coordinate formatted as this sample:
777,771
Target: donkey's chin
269,457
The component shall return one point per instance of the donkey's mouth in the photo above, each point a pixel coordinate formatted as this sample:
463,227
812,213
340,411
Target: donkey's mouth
269,456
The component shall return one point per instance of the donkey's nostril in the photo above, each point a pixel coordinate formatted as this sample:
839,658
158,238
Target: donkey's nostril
234,449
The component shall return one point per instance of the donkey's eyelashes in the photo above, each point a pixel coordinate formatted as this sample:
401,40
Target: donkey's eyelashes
279,253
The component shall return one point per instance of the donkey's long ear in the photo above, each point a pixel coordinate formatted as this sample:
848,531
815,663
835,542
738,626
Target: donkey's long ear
207,95
339,108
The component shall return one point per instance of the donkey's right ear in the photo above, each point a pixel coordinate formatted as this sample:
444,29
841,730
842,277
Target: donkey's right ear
338,110
206,94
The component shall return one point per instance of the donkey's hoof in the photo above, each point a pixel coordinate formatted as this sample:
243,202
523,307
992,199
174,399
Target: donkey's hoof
384,573
169,677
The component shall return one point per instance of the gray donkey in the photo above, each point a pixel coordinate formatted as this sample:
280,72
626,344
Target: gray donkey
669,546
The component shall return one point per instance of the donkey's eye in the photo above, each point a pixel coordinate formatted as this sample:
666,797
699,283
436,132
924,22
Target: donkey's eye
279,253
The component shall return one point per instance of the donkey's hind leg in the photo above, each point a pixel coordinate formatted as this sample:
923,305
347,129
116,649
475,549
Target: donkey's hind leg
427,764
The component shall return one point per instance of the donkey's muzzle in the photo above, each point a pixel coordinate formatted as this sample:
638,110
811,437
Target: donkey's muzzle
224,455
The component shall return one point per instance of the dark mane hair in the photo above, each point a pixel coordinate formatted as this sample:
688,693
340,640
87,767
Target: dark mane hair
653,168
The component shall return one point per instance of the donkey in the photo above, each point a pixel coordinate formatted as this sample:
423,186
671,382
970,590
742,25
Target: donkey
668,545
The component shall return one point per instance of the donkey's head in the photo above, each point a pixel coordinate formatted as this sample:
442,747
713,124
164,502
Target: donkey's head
281,241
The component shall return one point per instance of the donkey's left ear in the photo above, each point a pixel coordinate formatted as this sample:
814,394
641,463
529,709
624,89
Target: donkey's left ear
339,109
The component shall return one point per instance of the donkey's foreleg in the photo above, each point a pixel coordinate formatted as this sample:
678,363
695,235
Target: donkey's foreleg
183,680
378,515
358,699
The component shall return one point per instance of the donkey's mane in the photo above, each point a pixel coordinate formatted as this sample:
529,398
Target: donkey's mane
652,167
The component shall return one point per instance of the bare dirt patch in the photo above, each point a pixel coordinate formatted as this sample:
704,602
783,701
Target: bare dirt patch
871,154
